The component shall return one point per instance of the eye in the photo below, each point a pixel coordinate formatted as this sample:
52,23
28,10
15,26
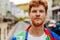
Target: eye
41,11
34,11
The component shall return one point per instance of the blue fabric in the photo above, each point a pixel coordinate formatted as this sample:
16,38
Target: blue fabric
55,35
26,35
13,38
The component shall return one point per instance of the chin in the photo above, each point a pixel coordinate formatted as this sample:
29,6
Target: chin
37,23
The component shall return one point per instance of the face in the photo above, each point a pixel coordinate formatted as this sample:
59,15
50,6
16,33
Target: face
38,15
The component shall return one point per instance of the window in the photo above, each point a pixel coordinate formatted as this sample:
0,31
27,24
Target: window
56,2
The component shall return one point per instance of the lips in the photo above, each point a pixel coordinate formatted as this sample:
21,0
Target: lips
37,18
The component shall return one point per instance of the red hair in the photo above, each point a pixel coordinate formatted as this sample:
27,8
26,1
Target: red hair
36,3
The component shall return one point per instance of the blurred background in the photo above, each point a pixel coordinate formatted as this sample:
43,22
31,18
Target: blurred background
14,17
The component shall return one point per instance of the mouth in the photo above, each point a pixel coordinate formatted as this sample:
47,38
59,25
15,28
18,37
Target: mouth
37,18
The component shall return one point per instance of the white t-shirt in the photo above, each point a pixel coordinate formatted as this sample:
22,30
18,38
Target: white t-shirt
43,37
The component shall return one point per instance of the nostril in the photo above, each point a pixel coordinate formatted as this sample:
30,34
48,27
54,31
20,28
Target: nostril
37,15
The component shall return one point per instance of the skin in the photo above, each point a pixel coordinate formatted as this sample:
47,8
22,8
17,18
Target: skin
37,16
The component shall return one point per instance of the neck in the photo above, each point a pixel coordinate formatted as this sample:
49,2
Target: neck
36,31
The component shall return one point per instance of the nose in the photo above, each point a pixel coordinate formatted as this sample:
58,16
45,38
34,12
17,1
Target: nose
37,14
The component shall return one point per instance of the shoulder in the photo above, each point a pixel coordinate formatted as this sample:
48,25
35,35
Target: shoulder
19,36
55,35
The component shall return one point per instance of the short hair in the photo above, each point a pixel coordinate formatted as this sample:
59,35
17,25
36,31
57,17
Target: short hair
36,3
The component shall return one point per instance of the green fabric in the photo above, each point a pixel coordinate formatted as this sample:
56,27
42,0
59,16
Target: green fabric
48,38
21,36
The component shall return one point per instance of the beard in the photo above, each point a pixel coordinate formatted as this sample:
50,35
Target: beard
37,23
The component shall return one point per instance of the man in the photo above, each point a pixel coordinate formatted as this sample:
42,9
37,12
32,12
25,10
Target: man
36,31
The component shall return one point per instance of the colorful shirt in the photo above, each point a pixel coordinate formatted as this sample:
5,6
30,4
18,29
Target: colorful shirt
24,35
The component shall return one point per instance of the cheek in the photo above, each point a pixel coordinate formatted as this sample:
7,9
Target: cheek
43,16
32,16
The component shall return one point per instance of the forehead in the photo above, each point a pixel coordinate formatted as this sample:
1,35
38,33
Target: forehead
40,7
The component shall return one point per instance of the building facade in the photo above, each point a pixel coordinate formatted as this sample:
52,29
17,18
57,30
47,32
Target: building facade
3,7
56,10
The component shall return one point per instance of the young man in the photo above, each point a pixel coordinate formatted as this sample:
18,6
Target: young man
36,31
